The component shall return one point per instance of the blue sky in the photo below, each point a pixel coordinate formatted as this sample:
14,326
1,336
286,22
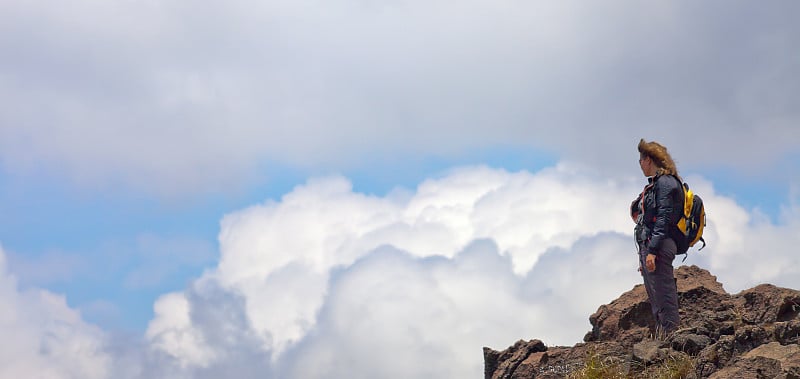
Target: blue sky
160,160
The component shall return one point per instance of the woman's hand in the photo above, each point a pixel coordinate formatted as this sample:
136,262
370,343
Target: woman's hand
650,262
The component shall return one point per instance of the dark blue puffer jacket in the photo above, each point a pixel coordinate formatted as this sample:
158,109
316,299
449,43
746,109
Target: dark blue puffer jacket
660,211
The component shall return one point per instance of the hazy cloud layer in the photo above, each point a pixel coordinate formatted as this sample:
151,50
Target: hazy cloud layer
180,96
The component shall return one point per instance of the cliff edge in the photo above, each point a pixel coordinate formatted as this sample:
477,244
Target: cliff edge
753,334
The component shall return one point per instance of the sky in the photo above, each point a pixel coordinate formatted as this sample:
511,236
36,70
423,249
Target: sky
361,189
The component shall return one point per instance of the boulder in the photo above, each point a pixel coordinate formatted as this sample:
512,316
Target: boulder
690,343
650,351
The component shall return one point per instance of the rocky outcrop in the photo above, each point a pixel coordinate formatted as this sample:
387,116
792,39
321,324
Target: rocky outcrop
753,334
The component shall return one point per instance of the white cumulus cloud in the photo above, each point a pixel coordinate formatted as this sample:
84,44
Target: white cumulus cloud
327,282
44,338
330,282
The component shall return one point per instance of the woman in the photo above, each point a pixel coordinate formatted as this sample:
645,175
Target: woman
656,212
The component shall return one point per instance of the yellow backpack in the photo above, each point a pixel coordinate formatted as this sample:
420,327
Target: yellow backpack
693,221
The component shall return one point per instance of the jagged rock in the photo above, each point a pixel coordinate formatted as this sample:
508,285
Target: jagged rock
725,336
690,278
563,360
749,337
766,303
787,332
502,365
554,362
756,368
704,304
626,319
771,360
650,351
690,343
774,350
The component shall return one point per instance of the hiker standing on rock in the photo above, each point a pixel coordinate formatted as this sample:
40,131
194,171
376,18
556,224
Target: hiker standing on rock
656,212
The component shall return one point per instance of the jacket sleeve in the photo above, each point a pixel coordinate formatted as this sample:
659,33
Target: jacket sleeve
635,208
664,207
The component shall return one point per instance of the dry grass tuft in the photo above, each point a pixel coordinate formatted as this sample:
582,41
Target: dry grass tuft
679,366
597,367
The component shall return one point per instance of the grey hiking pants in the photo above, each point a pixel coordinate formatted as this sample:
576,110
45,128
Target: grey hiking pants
661,287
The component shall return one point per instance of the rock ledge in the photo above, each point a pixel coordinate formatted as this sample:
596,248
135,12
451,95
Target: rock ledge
753,334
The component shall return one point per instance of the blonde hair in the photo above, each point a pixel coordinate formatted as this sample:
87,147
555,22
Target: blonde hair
660,156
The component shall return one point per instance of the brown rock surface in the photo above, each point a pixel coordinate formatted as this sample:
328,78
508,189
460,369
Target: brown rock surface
751,334
771,360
